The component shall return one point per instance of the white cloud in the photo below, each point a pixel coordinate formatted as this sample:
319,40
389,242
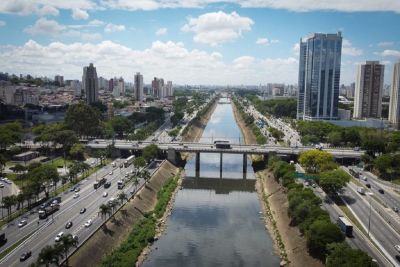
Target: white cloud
349,50
164,59
45,27
161,31
385,44
262,41
96,22
2,23
78,14
44,7
391,53
114,28
265,41
296,49
217,27
292,5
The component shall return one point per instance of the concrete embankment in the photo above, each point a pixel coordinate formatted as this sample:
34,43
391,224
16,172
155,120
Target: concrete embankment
289,242
115,231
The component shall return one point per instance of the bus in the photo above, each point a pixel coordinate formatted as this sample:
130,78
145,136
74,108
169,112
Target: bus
129,161
222,144
99,182
345,226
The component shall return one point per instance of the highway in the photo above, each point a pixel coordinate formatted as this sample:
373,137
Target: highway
380,231
89,198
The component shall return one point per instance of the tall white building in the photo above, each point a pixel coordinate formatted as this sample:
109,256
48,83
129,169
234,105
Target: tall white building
138,86
394,106
169,89
368,92
90,83
319,77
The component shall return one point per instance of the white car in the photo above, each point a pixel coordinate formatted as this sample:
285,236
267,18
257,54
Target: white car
1,185
88,223
111,173
76,195
397,247
105,194
364,178
22,223
58,237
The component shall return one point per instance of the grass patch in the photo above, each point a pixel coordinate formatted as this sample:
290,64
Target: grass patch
59,163
16,244
142,232
396,181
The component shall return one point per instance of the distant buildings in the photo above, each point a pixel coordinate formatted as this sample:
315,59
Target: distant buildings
138,86
90,84
319,76
394,106
368,92
59,79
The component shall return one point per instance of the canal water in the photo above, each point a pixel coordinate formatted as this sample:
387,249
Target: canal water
216,221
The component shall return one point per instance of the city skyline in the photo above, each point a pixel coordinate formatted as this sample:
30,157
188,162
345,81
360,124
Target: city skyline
212,42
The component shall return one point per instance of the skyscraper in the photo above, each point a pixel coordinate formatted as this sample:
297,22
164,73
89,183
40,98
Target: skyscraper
90,83
138,86
368,92
394,107
319,76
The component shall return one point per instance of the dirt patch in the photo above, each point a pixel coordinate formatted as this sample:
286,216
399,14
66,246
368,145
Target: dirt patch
115,231
276,212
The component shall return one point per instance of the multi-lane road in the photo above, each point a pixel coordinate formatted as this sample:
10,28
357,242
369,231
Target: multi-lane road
45,231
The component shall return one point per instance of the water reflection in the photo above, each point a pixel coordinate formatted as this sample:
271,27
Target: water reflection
216,221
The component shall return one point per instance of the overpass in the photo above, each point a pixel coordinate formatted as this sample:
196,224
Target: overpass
174,148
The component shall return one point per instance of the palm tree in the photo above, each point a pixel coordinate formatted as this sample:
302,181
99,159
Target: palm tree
122,197
146,175
8,202
104,210
136,182
48,255
113,204
67,242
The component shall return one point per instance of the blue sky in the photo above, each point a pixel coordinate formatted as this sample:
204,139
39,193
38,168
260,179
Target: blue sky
191,41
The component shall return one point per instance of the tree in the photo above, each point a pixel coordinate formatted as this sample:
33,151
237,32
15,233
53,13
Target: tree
387,165
139,162
121,125
9,202
48,255
333,181
335,138
67,242
320,234
77,151
122,197
104,210
341,254
18,168
146,175
3,162
10,133
83,119
313,160
150,152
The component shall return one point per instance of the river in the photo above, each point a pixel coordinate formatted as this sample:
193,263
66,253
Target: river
216,221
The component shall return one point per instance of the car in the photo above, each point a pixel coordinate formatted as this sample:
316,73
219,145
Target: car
82,211
357,148
77,189
364,178
58,237
397,247
72,189
110,173
88,223
22,223
126,175
25,256
68,225
368,185
76,195
1,185
395,209
107,184
105,194
380,190
75,237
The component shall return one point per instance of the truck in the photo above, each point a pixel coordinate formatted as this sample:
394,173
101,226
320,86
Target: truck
120,184
129,161
3,239
222,144
361,190
99,182
345,226
45,212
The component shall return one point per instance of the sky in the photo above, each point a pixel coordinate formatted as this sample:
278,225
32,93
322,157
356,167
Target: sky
208,42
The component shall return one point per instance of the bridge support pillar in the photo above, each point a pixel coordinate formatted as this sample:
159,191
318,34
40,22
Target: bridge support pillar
220,166
197,164
265,158
173,156
244,163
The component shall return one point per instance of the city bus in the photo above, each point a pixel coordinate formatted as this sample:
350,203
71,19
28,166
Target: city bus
222,144
129,161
